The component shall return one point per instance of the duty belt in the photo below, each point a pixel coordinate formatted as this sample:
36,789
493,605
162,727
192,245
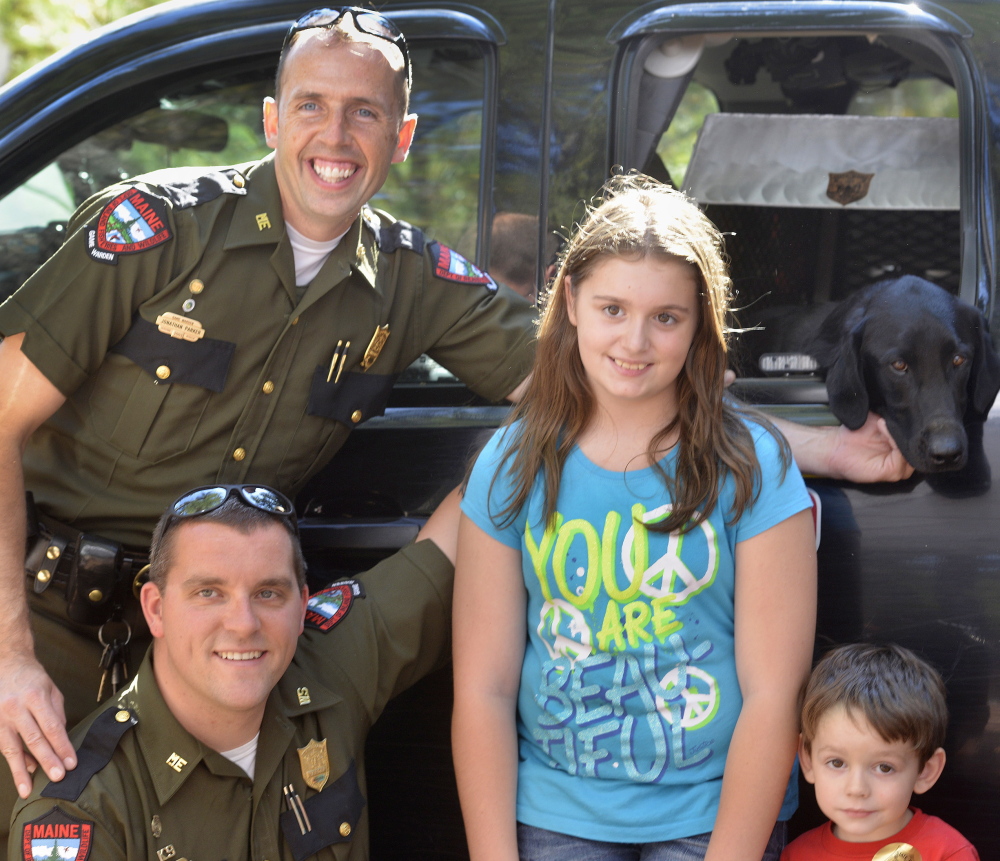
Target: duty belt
96,575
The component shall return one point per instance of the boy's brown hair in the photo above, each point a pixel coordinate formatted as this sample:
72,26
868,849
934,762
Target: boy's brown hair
901,696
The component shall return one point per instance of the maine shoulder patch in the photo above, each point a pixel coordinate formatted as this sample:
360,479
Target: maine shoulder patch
452,266
328,608
57,836
132,222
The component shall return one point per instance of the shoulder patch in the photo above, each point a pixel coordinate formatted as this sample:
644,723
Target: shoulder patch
398,235
96,751
132,222
452,266
329,607
57,836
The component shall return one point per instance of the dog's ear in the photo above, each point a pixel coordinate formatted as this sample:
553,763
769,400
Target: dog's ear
984,379
845,383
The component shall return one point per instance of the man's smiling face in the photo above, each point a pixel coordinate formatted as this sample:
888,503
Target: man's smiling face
226,623
335,127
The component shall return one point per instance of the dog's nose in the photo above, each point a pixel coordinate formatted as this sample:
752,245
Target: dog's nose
946,449
946,458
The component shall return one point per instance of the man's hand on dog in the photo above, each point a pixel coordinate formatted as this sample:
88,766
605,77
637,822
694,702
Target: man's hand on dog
864,456
867,454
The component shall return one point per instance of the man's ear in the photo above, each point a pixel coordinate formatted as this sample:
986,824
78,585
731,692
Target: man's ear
152,607
930,772
271,122
805,761
405,138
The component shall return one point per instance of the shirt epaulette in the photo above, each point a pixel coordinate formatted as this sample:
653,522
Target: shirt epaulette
96,751
186,188
398,234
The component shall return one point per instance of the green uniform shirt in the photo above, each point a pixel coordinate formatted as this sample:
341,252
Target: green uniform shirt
149,415
155,793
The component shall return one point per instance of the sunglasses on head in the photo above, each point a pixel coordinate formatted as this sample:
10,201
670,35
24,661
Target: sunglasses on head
366,20
202,500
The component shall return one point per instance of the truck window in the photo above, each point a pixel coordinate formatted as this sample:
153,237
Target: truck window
829,161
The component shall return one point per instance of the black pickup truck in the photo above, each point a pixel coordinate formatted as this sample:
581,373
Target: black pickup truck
837,142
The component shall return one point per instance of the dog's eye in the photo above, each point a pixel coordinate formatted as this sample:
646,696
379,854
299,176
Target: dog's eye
899,365
958,361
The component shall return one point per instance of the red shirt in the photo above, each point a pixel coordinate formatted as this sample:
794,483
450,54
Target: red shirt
933,838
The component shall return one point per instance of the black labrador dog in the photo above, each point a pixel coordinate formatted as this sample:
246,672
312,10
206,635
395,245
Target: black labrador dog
905,349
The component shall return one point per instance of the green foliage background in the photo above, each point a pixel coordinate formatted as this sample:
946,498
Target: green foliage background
33,29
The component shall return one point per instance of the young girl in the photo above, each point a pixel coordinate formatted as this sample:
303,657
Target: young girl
635,584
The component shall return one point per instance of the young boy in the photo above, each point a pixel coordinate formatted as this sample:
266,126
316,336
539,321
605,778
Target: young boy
873,722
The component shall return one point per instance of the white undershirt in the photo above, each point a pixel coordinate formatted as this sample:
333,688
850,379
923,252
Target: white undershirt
245,756
309,254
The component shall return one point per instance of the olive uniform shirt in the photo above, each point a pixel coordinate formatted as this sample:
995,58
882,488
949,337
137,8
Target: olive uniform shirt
146,789
152,414
149,416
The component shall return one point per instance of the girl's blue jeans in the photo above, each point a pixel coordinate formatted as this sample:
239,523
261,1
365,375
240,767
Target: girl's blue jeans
537,844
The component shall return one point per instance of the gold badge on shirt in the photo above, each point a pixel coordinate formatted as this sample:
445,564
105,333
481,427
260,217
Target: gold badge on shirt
375,346
315,764
897,852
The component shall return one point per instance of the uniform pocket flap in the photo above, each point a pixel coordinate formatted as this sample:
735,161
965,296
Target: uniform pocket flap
354,399
333,816
203,363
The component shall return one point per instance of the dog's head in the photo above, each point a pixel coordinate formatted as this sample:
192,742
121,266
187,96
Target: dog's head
921,359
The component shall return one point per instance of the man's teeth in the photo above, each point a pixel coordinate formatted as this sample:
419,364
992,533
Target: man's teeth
240,656
630,366
332,174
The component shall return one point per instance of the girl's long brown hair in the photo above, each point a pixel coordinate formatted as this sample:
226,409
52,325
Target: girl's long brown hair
637,218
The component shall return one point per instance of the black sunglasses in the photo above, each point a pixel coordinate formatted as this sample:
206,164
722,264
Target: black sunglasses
202,500
366,20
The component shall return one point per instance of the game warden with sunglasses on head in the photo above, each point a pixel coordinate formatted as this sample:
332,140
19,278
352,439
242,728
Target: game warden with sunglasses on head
238,738
229,325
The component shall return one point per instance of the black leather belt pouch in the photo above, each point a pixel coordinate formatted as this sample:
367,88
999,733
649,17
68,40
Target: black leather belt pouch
46,557
90,590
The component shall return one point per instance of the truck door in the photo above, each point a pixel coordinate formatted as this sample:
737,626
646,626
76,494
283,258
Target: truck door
838,145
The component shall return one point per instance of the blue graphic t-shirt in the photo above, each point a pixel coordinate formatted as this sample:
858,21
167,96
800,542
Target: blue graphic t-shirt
629,694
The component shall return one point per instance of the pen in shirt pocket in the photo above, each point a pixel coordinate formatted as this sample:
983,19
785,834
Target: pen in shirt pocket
342,356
